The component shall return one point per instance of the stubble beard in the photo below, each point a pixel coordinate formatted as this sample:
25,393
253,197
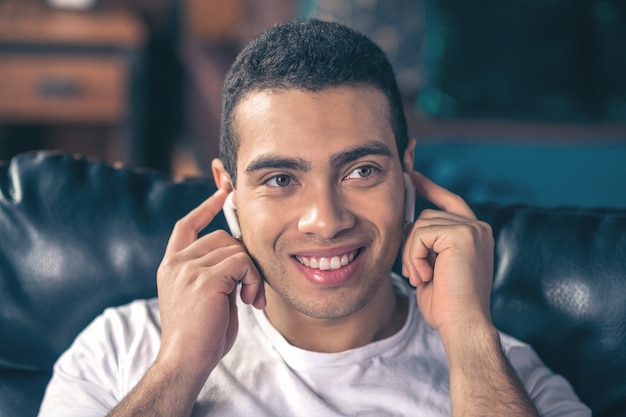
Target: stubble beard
336,303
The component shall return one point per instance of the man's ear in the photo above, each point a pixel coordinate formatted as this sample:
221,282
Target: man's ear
220,175
409,156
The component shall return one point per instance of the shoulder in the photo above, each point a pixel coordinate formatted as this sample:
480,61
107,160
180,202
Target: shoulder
551,393
118,333
132,315
116,327
105,360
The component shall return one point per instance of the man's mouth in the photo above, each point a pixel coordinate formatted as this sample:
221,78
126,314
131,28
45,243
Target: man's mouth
327,263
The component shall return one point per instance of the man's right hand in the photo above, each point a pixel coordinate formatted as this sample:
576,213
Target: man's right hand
197,286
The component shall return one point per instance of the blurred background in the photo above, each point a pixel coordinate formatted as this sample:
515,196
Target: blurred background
518,101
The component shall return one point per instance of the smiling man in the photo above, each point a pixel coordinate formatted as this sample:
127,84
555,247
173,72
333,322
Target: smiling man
319,181
301,314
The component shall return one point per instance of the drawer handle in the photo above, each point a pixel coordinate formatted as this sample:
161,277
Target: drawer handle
58,87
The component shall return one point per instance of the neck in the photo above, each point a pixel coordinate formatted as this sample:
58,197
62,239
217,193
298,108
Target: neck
383,316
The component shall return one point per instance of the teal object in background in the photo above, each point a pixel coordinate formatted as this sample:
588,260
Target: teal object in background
558,60
541,174
531,60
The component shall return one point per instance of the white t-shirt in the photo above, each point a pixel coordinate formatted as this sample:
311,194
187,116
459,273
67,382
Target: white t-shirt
263,375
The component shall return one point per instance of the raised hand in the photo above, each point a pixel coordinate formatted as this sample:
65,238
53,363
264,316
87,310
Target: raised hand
197,285
448,256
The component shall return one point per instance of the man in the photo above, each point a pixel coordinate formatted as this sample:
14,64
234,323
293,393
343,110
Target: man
301,315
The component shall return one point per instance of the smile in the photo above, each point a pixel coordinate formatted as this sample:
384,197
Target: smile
328,263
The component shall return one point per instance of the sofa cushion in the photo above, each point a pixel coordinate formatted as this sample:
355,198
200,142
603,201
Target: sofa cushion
77,236
560,285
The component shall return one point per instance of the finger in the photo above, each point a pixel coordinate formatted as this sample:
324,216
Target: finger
439,217
218,244
187,228
416,259
260,302
409,271
252,286
441,197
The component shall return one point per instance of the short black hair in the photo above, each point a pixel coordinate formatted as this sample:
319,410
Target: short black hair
309,55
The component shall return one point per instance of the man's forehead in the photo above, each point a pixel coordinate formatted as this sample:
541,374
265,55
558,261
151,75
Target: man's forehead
259,100
334,123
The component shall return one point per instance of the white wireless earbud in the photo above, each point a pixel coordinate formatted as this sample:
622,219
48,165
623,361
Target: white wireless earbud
409,195
230,213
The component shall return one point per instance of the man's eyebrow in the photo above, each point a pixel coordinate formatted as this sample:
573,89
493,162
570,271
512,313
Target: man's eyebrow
277,162
369,148
337,160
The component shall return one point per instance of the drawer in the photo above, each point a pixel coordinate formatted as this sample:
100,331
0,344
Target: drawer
63,88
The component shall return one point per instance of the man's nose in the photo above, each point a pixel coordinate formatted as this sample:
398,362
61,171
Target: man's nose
324,213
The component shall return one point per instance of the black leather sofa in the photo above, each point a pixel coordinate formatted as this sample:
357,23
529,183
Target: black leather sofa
77,236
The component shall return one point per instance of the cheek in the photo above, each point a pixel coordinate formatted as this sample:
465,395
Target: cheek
262,223
393,230
384,210
390,203
394,213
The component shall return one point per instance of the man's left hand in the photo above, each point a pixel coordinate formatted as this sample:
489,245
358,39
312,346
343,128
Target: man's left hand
448,257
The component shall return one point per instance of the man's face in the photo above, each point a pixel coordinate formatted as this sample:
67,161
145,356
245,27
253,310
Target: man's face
319,196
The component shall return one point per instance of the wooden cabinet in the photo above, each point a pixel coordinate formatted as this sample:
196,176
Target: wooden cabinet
62,70
63,88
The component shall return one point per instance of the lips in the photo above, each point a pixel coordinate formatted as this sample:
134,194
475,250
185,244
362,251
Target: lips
327,263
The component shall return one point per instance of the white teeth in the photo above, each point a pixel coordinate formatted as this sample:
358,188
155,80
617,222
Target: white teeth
326,264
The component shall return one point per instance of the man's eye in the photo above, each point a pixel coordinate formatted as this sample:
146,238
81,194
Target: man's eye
361,172
279,181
